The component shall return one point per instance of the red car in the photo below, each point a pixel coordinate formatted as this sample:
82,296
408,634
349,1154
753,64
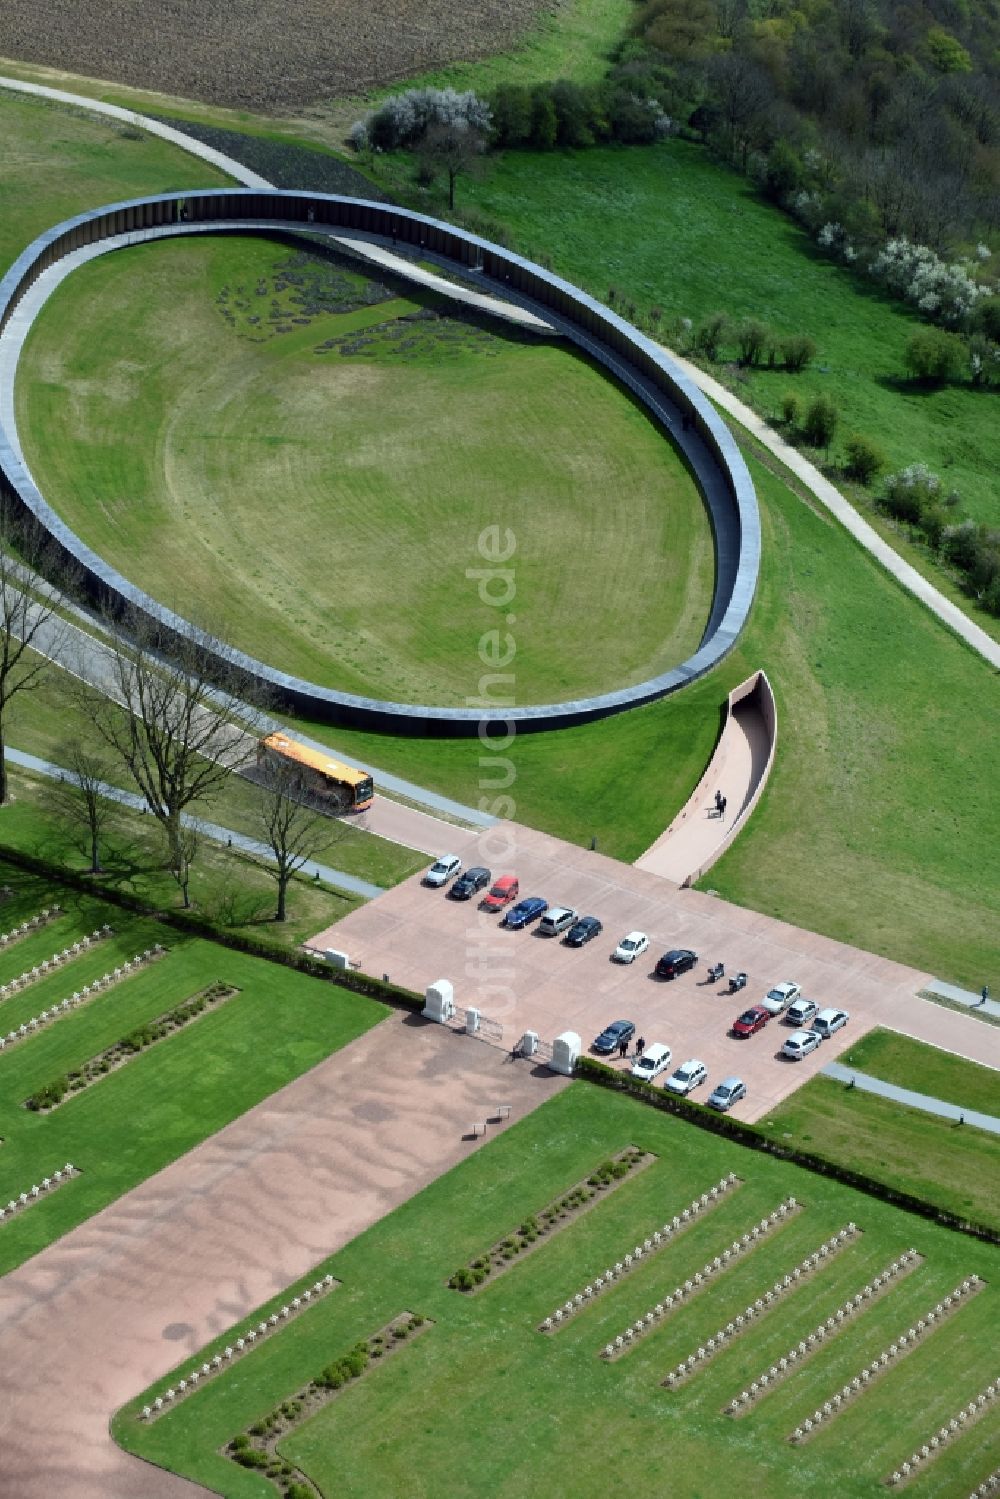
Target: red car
502,893
751,1021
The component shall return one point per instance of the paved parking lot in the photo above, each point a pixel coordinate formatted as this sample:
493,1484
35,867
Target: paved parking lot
417,935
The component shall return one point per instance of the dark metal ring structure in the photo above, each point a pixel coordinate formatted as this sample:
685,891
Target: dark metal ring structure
671,399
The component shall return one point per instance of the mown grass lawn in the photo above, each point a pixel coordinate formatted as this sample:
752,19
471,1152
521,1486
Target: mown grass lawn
947,1162
926,1069
877,824
330,503
57,161
165,1100
482,1403
668,227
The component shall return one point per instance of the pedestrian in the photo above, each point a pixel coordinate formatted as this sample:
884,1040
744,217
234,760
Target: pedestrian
623,1049
722,807
718,800
640,1046
985,994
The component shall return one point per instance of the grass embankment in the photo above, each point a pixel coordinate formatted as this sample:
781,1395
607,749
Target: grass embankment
57,161
876,826
669,227
926,1069
485,1404
948,1162
165,1101
365,473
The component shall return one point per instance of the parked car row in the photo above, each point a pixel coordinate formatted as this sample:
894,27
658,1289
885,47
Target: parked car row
797,1012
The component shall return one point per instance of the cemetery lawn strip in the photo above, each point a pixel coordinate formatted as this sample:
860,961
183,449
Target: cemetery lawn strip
538,1227
173,1097
486,1405
52,1094
257,1446
882,1291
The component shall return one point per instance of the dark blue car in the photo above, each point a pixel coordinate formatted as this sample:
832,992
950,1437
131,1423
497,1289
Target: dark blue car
526,910
610,1040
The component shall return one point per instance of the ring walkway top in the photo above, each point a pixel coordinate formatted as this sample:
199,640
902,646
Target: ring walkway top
654,378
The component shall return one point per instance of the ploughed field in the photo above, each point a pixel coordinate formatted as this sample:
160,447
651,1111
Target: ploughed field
259,54
323,469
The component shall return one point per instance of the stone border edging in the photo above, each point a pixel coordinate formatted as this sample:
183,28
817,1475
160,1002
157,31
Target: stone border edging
658,382
740,1324
741,1404
247,1341
17,1206
81,996
682,1295
48,966
652,1244
903,1345
958,1423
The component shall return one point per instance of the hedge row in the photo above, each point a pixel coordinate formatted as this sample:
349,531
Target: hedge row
757,1139
196,925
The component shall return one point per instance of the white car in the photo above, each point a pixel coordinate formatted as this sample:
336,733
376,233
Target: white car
800,1044
780,997
828,1021
688,1076
801,1012
654,1060
441,872
557,919
631,947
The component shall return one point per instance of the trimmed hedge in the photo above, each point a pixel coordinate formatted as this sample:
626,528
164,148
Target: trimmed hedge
756,1139
196,925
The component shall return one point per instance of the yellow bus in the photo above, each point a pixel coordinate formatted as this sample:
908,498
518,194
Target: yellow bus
340,787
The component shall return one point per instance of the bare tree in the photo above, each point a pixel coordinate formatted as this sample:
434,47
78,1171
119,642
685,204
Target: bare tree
451,147
181,721
78,797
294,829
29,623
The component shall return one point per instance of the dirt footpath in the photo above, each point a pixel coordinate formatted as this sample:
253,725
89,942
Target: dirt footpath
90,1321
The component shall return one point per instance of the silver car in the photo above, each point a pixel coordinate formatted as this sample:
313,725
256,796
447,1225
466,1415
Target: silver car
441,872
801,1012
689,1075
829,1021
801,1044
726,1093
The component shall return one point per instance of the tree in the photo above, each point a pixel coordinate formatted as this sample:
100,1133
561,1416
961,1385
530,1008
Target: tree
820,423
933,356
29,623
181,721
79,798
452,147
294,829
864,460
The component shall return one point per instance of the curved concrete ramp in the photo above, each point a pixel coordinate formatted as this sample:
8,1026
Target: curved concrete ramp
738,769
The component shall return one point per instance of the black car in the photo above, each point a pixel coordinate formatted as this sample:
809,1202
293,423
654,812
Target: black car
583,931
609,1040
468,884
678,960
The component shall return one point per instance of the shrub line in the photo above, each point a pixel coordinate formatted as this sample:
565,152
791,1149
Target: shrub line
562,1210
45,1099
261,1454
754,1138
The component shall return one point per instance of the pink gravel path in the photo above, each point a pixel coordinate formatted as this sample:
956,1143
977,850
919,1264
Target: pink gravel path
93,1319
